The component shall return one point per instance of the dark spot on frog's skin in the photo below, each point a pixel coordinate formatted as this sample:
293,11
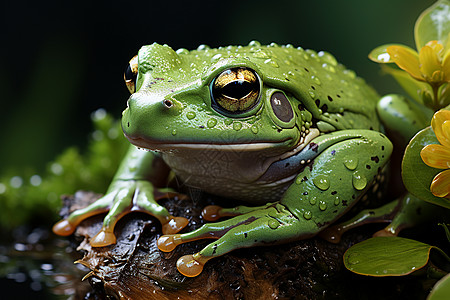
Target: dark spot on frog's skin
382,148
313,87
353,197
370,128
245,234
201,126
344,203
333,152
279,130
286,165
304,179
367,167
317,102
371,213
414,122
306,70
375,159
214,248
314,147
329,98
333,192
335,211
128,124
301,107
305,193
324,108
339,96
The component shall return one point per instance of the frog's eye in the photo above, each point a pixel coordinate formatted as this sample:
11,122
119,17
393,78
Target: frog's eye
236,90
130,74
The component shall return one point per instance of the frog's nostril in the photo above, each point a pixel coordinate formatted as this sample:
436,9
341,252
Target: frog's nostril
167,103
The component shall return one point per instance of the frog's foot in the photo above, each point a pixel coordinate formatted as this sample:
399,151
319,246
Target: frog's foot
413,212
260,227
384,214
130,196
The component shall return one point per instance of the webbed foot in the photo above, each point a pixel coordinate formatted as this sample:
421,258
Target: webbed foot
123,197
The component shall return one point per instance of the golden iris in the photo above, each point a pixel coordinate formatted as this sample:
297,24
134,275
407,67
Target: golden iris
236,90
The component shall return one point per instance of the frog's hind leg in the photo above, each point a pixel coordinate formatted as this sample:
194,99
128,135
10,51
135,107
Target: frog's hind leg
403,213
384,214
271,225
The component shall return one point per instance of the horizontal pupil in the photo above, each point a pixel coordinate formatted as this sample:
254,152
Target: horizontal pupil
238,89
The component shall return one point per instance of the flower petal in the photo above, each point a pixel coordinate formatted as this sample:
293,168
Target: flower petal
407,59
446,65
436,123
436,156
429,61
440,186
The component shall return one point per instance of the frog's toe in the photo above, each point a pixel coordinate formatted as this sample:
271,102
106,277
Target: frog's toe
190,265
211,212
64,228
104,238
174,225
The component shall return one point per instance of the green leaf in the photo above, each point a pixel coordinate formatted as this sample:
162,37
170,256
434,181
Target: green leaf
433,24
441,290
447,231
388,256
412,86
417,176
380,55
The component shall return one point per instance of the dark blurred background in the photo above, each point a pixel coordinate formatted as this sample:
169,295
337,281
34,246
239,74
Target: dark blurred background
61,60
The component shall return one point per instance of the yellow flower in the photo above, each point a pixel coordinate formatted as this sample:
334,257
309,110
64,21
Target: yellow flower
431,64
438,156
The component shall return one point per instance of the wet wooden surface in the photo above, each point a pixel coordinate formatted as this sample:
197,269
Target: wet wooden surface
134,268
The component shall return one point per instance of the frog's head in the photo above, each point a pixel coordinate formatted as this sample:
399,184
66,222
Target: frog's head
234,98
190,100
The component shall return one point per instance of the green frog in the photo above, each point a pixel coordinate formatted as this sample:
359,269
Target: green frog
290,132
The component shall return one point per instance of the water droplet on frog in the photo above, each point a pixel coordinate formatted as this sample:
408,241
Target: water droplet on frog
313,201
271,63
228,121
359,181
260,54
174,132
216,57
190,115
254,129
237,126
254,44
203,47
312,94
329,58
316,80
321,182
307,215
337,201
351,163
211,123
273,224
182,51
322,205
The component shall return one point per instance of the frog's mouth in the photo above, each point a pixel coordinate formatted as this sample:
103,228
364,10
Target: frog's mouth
284,145
161,146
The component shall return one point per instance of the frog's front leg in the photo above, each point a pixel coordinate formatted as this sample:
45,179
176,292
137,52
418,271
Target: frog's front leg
343,166
130,191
